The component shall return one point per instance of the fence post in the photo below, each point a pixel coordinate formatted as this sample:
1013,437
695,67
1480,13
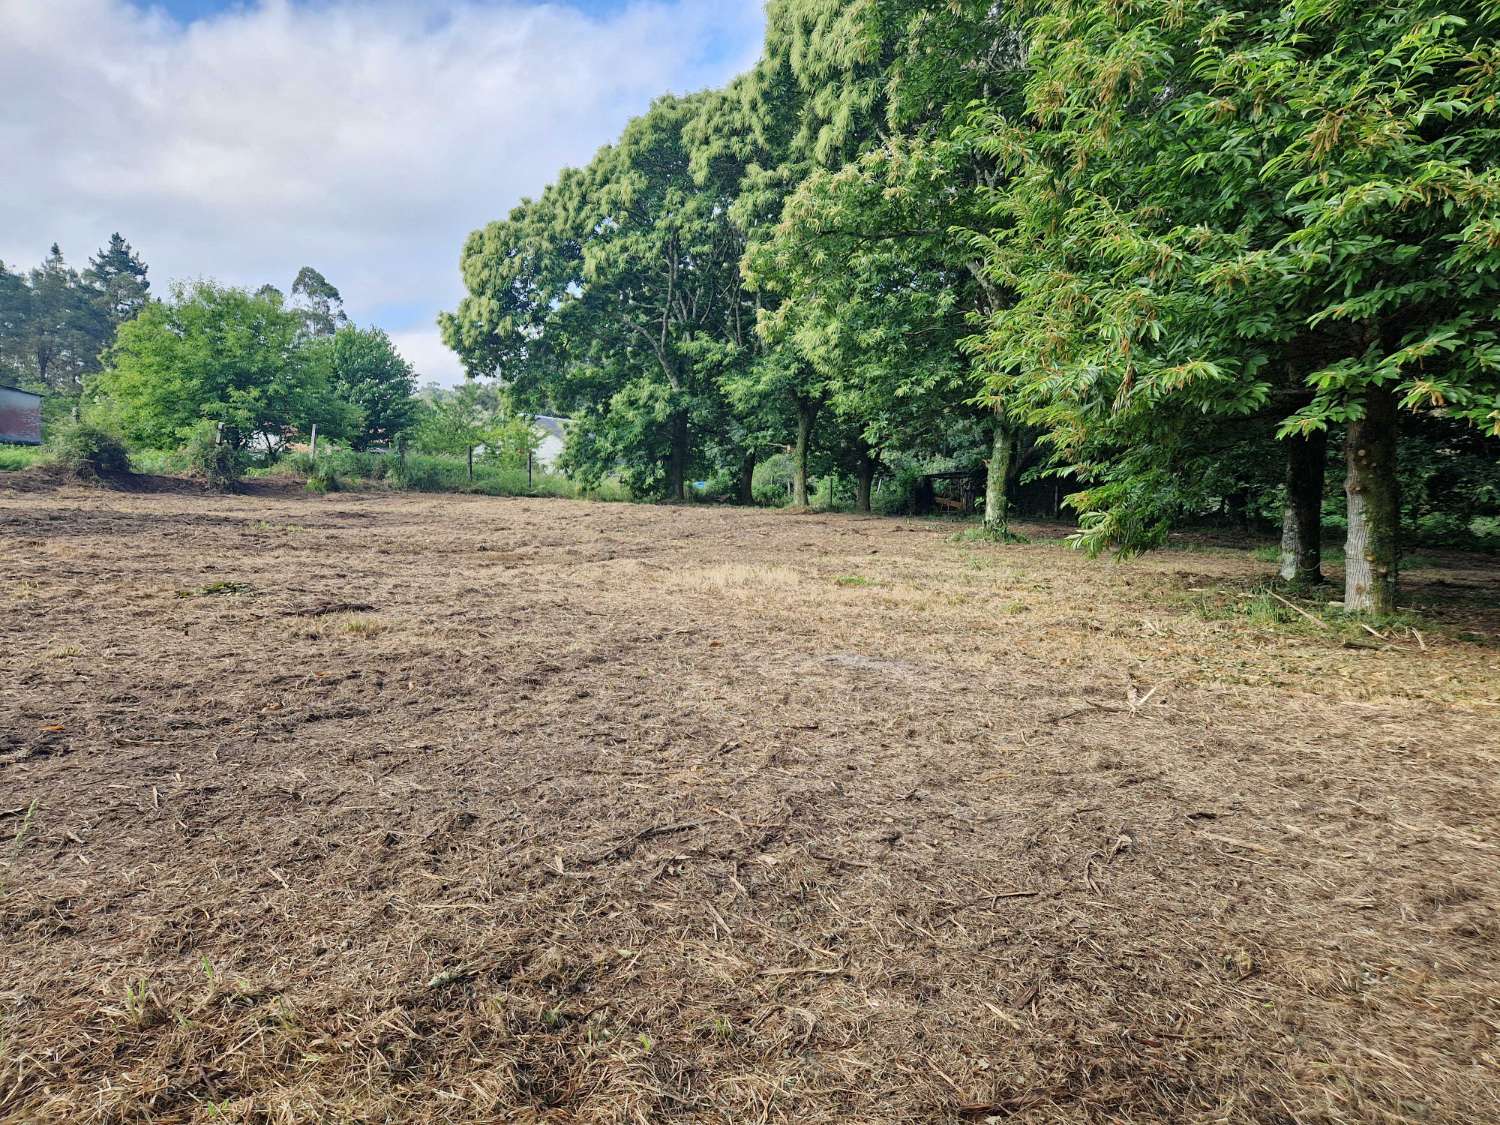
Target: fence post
313,445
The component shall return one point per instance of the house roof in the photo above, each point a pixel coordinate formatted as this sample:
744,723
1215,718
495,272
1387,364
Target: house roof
553,426
18,390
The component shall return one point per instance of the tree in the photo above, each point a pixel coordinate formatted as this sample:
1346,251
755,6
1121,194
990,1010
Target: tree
224,355
368,373
460,420
606,298
317,302
63,329
118,277
1263,213
15,311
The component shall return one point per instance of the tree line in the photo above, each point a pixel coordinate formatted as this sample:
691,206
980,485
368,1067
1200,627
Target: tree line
234,374
1178,255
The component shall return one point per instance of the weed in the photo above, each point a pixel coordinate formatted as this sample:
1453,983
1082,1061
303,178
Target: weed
16,457
218,589
88,450
212,460
138,1006
852,580
363,627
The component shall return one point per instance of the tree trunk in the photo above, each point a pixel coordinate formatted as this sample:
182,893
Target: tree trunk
471,464
1302,518
747,478
864,477
997,475
1371,552
807,413
677,459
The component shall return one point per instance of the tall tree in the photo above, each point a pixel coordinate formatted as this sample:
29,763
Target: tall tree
317,302
1255,212
606,298
224,355
64,328
369,374
118,277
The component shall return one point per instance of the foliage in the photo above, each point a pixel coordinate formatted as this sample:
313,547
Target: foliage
16,457
224,355
88,449
317,303
472,417
217,462
367,372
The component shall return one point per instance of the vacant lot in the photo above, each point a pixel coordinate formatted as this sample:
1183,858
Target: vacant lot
388,809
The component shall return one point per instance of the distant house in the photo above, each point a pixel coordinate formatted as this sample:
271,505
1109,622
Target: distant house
554,436
20,416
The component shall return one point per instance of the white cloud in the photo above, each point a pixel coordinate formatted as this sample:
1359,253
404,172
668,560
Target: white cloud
426,351
366,139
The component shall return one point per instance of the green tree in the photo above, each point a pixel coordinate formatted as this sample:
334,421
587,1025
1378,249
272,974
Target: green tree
224,355
368,373
118,278
63,329
317,302
606,299
461,420
1275,214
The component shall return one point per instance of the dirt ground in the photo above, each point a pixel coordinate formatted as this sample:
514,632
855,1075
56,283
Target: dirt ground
376,808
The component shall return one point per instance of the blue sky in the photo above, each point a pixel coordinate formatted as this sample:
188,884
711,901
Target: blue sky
241,141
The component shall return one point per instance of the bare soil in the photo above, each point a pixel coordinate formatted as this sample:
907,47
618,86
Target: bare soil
377,808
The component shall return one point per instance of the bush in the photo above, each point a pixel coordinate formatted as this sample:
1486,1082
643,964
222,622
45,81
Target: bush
216,462
324,476
88,449
772,483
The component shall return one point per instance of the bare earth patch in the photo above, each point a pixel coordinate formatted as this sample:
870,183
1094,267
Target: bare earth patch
372,808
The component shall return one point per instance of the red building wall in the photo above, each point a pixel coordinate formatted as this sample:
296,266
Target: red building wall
20,416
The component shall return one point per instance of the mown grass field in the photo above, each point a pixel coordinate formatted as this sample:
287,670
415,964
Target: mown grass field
376,807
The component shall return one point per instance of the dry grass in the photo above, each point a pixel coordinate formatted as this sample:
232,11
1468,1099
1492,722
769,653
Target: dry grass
469,810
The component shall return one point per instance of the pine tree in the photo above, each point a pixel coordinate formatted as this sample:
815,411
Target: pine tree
118,275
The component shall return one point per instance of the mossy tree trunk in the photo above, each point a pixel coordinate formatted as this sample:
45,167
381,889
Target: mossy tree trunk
997,475
1372,550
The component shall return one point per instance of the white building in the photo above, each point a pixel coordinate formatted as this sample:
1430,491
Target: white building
554,435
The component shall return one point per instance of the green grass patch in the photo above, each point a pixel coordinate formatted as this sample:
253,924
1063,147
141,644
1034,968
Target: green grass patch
218,590
14,458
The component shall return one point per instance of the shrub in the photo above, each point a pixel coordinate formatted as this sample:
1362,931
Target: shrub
324,476
216,462
772,483
88,449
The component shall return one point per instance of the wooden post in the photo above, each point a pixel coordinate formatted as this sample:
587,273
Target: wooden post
313,445
528,470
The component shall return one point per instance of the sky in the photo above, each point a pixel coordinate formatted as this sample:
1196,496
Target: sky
243,139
